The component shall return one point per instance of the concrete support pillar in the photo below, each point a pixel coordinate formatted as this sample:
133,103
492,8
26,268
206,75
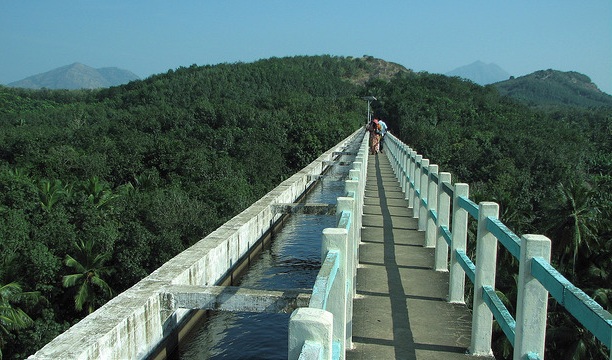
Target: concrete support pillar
336,239
486,261
532,300
456,293
432,205
308,324
441,256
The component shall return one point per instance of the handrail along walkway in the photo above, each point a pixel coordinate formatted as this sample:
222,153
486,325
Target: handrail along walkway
434,199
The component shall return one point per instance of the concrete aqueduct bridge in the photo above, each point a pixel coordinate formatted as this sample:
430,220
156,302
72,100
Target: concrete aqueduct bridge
143,321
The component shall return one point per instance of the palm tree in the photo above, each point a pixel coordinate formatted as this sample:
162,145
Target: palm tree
11,316
573,222
89,267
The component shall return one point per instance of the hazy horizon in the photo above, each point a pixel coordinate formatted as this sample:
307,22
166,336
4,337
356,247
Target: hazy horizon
155,36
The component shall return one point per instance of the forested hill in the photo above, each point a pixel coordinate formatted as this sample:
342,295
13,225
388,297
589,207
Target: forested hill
552,88
139,172
131,175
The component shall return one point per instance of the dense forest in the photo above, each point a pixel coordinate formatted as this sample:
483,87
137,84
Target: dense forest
100,187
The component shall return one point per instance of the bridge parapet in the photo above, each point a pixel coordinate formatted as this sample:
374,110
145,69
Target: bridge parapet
134,323
324,329
434,199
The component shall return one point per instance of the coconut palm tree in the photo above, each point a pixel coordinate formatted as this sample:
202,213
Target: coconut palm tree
11,316
89,269
573,223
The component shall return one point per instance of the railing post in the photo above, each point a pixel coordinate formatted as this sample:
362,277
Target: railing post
414,158
401,158
423,187
418,170
441,256
432,205
486,261
350,265
357,218
456,293
336,239
309,324
405,179
532,300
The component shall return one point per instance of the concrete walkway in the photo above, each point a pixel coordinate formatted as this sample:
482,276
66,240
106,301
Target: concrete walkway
401,311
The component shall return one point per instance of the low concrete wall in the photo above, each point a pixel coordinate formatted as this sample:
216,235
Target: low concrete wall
131,325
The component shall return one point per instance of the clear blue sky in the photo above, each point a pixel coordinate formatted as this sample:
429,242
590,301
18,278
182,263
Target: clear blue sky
153,36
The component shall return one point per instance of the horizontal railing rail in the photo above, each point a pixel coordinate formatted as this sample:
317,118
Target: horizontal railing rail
434,199
323,330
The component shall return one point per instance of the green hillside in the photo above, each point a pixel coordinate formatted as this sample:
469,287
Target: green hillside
139,172
552,88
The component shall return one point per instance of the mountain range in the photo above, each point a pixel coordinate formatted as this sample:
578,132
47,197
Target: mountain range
543,88
77,76
480,73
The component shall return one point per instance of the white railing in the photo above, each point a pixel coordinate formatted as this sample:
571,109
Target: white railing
433,199
323,330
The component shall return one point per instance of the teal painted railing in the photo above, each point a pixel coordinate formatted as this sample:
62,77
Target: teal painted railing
434,198
323,330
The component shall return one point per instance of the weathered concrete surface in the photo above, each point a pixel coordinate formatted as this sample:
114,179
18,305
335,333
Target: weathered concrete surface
401,311
235,298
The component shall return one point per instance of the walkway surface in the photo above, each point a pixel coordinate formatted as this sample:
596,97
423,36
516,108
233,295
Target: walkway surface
401,311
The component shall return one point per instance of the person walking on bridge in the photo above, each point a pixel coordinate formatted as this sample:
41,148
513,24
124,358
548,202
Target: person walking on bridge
374,129
383,132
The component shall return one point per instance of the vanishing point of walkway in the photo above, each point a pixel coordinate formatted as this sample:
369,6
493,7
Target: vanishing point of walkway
401,311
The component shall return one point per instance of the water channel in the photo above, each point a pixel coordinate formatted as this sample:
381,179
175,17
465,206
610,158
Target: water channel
291,261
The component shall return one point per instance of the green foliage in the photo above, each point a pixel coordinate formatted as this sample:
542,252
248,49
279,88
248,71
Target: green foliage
137,173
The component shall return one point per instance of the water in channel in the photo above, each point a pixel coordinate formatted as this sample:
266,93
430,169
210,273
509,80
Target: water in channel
292,261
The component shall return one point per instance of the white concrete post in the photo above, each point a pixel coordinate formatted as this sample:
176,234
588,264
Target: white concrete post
423,186
432,204
456,293
401,160
441,257
348,204
336,239
486,261
418,170
406,174
392,154
411,172
532,300
310,324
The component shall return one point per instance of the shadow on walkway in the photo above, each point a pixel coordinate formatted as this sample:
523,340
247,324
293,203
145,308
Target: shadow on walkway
400,311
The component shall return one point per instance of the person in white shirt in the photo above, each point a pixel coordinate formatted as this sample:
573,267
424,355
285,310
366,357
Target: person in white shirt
383,132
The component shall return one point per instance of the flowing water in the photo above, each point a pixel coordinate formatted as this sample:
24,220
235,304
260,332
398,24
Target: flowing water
292,261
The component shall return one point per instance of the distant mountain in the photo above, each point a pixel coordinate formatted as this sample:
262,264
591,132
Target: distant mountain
77,76
547,88
480,73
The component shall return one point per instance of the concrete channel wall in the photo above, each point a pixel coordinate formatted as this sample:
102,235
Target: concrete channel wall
134,323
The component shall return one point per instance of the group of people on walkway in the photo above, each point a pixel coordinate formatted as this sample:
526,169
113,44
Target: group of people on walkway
377,129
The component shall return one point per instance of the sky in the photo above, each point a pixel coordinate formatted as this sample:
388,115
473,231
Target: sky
150,37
